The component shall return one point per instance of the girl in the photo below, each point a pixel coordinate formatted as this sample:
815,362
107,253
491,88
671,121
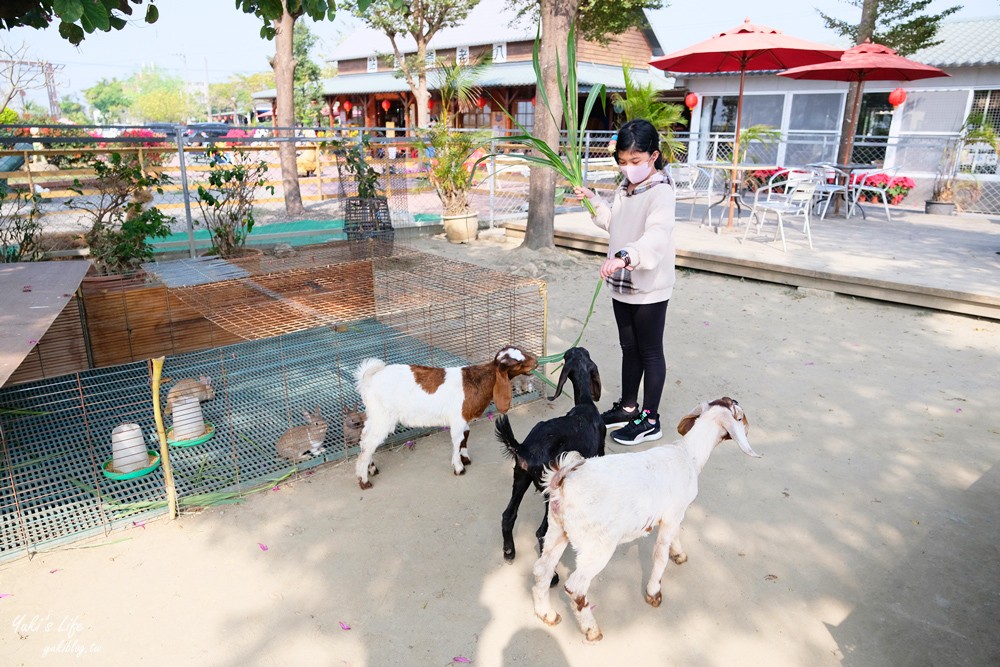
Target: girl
640,272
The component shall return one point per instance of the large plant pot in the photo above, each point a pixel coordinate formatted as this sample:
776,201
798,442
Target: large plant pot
939,207
461,228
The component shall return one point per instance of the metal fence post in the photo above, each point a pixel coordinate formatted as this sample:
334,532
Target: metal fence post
179,137
493,179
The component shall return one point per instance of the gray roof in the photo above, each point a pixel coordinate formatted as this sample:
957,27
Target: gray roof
501,74
966,43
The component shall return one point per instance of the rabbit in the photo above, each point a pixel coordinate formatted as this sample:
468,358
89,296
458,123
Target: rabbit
200,389
354,423
300,442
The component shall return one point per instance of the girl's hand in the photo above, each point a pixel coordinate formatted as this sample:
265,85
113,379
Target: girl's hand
583,193
611,265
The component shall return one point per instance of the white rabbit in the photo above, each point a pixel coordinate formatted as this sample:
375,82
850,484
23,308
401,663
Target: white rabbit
200,389
300,442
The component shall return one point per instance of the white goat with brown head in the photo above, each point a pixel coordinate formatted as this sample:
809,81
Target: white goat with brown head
596,504
426,396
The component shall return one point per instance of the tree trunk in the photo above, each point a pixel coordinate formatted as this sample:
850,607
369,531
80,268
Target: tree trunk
421,96
866,28
284,72
556,17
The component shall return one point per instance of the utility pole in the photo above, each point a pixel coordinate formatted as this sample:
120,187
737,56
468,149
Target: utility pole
48,71
187,85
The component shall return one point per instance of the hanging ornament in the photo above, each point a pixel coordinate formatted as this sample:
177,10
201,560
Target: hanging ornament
897,97
690,101
348,106
386,104
430,105
532,101
480,101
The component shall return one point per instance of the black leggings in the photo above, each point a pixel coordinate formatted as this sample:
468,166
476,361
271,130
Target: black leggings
640,332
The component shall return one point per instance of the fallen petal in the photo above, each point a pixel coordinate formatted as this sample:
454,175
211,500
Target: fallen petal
705,323
6,595
263,547
344,626
460,658
489,415
958,409
26,288
276,488
139,524
32,342
54,571
410,444
810,363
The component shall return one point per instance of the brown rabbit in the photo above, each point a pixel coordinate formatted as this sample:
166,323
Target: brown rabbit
354,423
300,442
200,389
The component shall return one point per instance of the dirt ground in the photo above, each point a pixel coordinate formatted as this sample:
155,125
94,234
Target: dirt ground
866,535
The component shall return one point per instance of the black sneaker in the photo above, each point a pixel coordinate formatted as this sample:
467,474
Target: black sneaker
638,430
618,416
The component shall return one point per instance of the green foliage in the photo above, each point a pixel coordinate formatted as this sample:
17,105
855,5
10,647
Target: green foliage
642,101
458,84
572,168
764,134
947,186
77,18
121,221
234,94
270,11
598,20
20,231
452,165
8,116
364,174
108,97
902,25
227,204
72,109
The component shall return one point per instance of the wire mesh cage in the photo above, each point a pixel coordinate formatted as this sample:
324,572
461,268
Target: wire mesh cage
302,322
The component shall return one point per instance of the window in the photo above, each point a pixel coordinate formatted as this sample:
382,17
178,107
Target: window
719,113
525,114
816,111
500,53
477,117
462,55
372,63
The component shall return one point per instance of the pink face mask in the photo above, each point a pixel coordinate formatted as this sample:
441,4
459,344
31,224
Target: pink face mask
637,173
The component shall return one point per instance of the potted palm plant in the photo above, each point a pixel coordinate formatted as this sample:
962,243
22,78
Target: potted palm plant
451,153
643,101
948,189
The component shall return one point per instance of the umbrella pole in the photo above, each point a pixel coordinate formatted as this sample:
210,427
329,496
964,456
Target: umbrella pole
736,149
854,121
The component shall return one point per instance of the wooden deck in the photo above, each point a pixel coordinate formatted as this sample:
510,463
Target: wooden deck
948,263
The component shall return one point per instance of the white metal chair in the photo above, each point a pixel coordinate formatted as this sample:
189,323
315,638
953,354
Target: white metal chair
874,182
779,187
691,182
832,183
797,200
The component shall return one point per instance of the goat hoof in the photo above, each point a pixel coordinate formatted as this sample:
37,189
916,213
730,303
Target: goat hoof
680,559
547,621
466,460
364,485
594,635
555,581
654,600
460,472
508,555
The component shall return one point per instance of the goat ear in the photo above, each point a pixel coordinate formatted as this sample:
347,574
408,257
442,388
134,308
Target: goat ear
502,395
595,382
687,421
737,430
562,380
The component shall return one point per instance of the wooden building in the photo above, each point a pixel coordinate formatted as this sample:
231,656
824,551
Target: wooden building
369,90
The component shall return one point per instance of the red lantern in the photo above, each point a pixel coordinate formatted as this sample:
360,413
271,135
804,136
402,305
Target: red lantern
532,101
348,106
481,102
386,104
897,97
691,101
430,105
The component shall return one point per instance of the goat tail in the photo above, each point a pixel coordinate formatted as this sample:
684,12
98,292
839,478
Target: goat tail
364,372
553,478
505,435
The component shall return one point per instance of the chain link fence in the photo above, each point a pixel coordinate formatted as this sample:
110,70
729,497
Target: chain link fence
49,177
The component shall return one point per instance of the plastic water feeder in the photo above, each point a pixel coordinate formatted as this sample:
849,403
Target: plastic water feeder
129,457
189,426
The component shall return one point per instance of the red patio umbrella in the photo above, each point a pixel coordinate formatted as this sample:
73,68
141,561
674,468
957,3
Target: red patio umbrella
746,47
865,62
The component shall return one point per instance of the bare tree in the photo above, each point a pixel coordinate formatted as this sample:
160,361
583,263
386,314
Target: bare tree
18,72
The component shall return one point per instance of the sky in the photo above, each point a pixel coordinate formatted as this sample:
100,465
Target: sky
211,39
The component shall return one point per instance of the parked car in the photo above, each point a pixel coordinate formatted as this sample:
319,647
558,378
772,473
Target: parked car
201,132
169,130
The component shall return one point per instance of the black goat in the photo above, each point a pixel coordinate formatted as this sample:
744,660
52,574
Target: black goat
580,430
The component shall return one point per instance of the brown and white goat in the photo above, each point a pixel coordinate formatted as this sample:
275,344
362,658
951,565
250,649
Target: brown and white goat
596,504
426,396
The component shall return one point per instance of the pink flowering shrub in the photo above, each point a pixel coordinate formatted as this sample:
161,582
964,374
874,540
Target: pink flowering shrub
149,158
897,187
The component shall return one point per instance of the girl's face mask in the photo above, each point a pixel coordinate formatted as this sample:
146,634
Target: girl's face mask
637,173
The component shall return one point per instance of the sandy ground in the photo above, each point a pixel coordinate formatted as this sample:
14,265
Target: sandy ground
865,536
